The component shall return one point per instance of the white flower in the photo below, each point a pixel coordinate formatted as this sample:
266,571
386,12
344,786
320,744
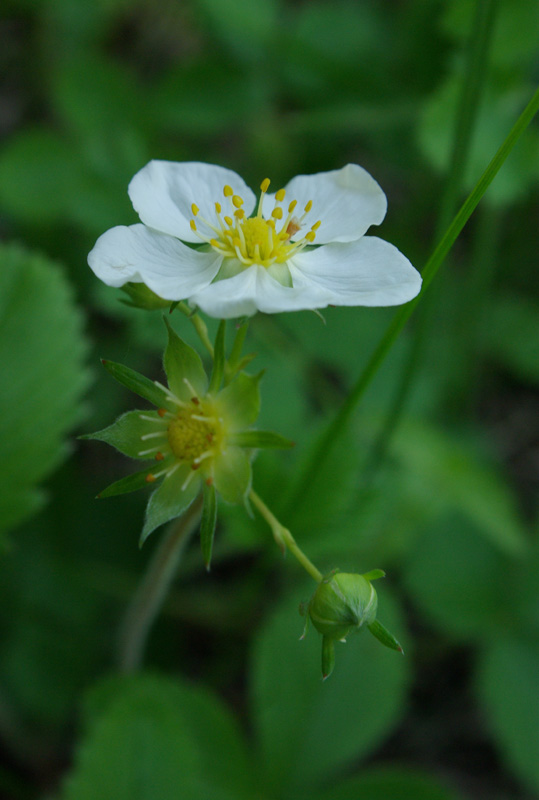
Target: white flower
256,256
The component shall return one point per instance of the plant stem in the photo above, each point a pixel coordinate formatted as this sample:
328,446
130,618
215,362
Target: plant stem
330,435
284,538
149,597
234,359
198,324
465,118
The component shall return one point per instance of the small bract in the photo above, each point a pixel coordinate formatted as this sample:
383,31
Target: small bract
303,247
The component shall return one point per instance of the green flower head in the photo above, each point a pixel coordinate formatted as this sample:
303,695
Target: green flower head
198,438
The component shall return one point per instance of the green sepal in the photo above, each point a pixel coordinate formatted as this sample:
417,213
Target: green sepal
170,500
328,656
218,359
125,434
232,474
384,636
133,482
207,523
374,574
181,361
140,296
260,439
240,401
139,384
174,305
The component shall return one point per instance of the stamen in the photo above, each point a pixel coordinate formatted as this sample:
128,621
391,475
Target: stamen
202,418
280,195
194,210
192,225
147,452
308,206
229,221
264,186
153,435
239,214
159,456
228,191
171,397
292,206
187,481
277,213
218,208
190,387
237,201
172,470
204,455
153,419
163,412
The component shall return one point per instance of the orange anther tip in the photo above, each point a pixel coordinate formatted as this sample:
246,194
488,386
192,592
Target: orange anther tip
159,456
150,478
161,412
195,465
209,481
195,400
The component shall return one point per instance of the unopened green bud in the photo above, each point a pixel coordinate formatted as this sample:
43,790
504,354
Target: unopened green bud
140,296
344,603
341,604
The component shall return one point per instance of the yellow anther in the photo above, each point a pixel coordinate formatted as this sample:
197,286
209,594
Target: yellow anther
292,206
214,243
308,206
228,191
310,237
279,196
193,225
218,207
229,221
194,210
316,225
264,186
237,202
239,214
236,242
277,213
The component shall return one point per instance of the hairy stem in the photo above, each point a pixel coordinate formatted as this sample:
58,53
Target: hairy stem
284,538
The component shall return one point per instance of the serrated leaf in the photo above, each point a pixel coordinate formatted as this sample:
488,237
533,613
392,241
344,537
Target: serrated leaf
182,364
139,384
260,439
150,738
359,706
42,353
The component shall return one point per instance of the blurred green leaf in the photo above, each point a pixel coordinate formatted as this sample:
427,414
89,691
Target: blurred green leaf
454,477
508,685
308,729
42,353
245,27
460,581
149,737
389,783
500,106
509,335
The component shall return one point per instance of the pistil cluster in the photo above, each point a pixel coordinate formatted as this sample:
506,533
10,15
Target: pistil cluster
256,240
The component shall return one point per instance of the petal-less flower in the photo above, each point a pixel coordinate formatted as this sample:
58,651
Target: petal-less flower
198,436
256,256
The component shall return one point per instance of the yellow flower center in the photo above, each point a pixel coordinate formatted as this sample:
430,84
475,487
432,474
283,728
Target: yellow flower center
255,240
195,435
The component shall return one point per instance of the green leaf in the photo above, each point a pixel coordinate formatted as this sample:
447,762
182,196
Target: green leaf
135,481
232,474
207,523
152,738
244,27
42,352
389,783
508,684
240,401
170,499
183,363
260,439
126,434
509,335
139,384
307,728
218,359
455,477
460,581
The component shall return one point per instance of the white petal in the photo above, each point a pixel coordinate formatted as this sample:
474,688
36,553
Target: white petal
254,290
171,269
369,272
347,201
163,192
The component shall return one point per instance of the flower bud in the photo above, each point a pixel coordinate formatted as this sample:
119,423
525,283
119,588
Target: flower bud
341,604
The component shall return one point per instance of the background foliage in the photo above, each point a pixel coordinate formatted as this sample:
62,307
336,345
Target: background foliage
447,505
